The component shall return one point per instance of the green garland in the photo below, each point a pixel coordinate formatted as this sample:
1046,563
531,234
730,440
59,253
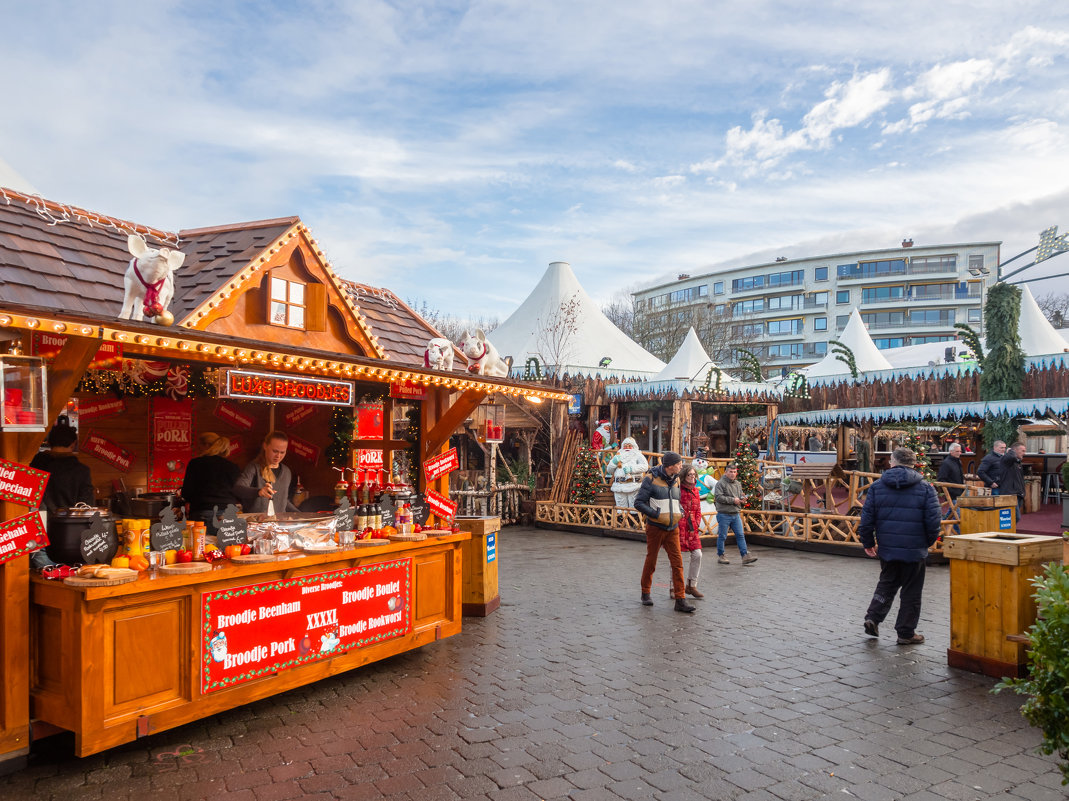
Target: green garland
845,355
342,427
1003,373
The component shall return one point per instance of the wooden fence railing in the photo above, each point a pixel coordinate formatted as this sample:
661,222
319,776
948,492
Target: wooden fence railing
789,526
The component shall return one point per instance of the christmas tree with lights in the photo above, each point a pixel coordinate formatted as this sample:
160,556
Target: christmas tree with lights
586,478
924,462
747,464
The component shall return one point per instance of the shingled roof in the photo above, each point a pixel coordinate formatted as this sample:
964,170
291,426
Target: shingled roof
215,255
400,330
58,256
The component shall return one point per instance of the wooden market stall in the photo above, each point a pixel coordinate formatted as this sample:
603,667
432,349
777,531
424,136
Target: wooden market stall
265,336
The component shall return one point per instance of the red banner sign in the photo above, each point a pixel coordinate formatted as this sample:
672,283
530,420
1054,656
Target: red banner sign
369,460
441,505
260,629
235,416
21,484
408,390
48,346
170,443
21,535
107,451
298,415
304,449
287,388
96,408
438,466
369,418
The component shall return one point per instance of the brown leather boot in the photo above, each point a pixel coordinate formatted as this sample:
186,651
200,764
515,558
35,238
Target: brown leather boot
692,591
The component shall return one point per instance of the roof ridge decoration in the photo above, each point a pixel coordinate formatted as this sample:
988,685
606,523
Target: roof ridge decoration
55,213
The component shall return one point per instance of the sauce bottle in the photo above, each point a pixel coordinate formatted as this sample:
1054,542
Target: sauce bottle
361,518
200,534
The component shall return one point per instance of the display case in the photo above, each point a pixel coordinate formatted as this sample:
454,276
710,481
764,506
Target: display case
23,393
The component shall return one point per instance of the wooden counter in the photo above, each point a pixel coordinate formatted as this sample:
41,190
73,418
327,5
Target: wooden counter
112,664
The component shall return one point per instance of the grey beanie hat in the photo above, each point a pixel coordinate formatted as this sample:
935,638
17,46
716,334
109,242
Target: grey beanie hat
670,458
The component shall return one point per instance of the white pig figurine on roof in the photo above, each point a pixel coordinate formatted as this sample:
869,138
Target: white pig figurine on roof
149,281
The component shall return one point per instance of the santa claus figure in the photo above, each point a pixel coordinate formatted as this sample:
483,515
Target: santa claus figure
602,436
626,470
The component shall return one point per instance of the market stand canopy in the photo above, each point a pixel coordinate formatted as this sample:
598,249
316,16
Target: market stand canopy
691,362
979,410
856,337
1038,336
561,326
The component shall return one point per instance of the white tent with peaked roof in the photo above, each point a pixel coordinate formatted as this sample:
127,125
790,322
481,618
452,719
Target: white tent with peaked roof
691,362
563,327
856,337
1038,336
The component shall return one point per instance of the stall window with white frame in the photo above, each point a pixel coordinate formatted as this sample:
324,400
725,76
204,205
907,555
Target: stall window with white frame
287,303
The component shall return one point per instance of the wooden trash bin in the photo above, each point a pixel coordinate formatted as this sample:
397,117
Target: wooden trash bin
991,597
479,591
1033,494
986,513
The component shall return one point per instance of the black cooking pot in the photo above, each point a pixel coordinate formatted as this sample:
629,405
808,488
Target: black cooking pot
67,529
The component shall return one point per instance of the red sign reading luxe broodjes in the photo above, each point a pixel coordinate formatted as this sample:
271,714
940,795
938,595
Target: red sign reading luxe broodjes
21,535
259,629
288,388
21,484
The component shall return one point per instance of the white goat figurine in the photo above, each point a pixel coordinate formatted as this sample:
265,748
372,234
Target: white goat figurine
149,281
439,354
483,358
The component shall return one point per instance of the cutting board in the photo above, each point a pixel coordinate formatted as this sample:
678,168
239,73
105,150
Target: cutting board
253,557
184,568
79,581
408,537
368,543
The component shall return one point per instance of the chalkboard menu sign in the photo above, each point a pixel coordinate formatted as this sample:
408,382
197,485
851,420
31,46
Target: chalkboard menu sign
99,541
420,510
230,529
388,512
167,534
343,516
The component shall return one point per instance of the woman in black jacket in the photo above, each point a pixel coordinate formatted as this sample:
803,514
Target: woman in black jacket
209,479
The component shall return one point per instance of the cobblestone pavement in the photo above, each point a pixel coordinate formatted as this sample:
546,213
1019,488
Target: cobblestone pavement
574,690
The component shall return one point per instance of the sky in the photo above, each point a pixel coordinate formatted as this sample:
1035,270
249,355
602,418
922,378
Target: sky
451,150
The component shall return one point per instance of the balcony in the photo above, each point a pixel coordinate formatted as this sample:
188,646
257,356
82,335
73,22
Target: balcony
943,294
943,321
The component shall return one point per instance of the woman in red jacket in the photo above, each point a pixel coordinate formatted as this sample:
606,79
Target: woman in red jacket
690,527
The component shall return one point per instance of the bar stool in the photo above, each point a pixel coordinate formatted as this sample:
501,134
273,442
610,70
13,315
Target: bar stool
1052,485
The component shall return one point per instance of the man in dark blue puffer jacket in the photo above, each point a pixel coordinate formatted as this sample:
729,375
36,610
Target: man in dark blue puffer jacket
900,518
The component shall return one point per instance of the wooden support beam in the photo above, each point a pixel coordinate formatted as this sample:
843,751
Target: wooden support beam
449,420
64,375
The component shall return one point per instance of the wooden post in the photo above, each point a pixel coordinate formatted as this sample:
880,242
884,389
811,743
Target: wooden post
64,374
558,433
681,426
